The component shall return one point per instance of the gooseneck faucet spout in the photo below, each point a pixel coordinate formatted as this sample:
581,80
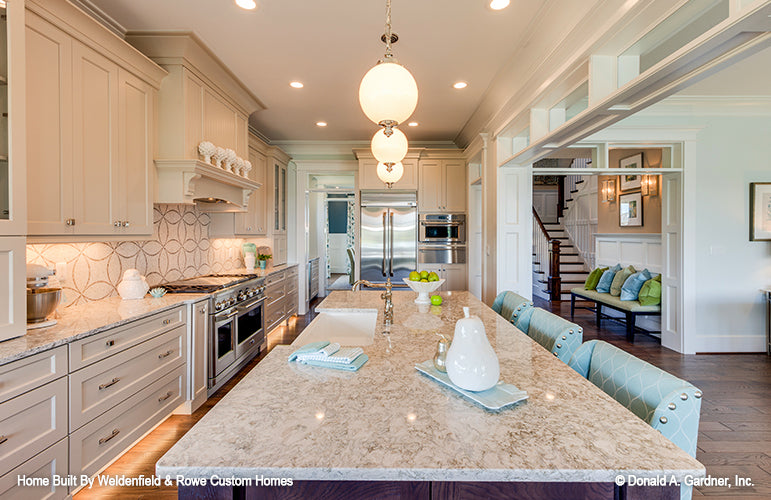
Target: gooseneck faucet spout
388,308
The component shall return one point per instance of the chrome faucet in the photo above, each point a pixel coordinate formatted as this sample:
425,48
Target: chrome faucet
388,309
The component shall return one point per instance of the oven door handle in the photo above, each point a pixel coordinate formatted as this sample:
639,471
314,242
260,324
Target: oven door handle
250,305
222,318
441,224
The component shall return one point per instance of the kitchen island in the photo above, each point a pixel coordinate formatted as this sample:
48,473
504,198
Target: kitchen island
387,429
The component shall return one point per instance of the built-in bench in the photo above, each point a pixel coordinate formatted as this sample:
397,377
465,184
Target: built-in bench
631,308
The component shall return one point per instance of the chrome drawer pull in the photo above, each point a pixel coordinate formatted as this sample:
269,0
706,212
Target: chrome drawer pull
166,321
114,433
165,354
3,439
110,383
110,343
164,398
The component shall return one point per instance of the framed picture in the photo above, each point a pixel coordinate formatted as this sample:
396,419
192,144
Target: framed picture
629,182
760,211
630,210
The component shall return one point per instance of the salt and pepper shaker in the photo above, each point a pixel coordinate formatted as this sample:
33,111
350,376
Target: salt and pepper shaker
440,358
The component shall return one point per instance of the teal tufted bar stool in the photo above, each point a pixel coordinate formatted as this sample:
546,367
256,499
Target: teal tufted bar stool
515,308
555,334
668,404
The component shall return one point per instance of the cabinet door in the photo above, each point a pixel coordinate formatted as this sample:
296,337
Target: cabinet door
13,296
49,128
455,274
197,368
282,208
135,182
279,249
430,186
454,186
368,178
253,222
95,141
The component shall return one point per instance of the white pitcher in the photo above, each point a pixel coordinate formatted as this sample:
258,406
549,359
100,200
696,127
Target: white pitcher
471,361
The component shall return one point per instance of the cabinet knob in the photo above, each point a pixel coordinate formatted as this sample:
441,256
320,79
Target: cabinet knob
70,222
249,228
125,223
117,223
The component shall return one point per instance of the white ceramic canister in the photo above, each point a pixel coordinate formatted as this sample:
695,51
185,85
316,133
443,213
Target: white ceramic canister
133,286
471,361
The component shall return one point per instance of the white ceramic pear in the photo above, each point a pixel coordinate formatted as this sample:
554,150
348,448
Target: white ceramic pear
472,363
133,286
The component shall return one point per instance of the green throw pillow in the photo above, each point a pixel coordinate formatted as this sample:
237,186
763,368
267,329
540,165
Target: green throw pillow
650,293
594,278
619,279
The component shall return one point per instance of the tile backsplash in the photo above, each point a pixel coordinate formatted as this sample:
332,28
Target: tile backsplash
179,248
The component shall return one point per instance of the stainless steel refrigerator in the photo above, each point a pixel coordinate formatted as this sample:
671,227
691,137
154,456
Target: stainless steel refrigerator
389,236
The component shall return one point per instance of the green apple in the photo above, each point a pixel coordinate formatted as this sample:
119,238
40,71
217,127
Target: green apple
424,280
436,300
432,276
414,276
423,275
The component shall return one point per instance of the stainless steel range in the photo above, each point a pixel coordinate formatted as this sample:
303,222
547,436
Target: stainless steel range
236,321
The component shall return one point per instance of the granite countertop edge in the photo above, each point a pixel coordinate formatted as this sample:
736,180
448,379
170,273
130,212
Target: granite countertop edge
407,474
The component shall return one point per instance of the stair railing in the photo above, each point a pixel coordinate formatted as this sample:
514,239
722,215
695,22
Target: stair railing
547,249
577,221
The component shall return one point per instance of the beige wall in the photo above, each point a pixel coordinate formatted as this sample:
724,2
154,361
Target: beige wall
607,213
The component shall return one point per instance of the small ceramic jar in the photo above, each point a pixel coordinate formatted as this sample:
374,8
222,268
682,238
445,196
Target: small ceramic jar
133,286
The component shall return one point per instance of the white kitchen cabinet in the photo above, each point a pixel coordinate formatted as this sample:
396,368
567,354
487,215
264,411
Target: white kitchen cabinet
13,305
442,186
51,462
279,249
90,124
198,347
453,274
278,196
368,178
254,221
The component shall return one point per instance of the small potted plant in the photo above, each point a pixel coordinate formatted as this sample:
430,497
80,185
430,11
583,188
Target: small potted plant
263,259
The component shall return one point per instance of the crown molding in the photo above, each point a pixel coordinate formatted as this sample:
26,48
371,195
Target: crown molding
100,16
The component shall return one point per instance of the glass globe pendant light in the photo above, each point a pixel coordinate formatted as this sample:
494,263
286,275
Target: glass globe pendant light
388,93
389,148
390,172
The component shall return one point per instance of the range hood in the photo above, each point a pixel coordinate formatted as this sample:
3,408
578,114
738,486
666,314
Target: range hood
210,188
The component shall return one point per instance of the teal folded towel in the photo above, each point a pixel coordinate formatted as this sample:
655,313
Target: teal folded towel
326,355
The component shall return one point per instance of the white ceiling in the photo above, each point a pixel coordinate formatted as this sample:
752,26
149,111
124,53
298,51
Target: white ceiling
330,45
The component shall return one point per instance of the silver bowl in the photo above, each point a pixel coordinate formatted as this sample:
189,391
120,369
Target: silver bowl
41,302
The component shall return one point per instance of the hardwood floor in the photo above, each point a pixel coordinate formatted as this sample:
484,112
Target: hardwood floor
734,434
735,426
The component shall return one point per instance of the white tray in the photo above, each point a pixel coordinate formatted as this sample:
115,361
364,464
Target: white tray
497,398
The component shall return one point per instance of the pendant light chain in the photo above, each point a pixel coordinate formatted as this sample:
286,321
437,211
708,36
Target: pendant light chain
388,54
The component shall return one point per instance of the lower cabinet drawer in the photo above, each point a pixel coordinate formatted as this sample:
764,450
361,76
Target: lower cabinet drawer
274,292
51,462
32,422
274,313
98,387
100,441
20,376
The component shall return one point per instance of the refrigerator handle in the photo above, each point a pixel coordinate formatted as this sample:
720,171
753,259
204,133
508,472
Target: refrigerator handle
383,269
391,244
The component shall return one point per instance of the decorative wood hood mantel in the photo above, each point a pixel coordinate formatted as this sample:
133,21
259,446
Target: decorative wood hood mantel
200,100
212,188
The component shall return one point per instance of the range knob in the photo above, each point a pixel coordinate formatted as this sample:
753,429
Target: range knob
242,295
250,292
218,306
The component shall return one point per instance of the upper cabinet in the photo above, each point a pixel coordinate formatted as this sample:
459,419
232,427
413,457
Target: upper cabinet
255,221
12,111
368,179
200,100
90,114
442,185
277,181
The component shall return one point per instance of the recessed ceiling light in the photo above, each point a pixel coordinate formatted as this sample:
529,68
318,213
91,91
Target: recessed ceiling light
247,4
321,124
460,85
413,124
296,85
499,4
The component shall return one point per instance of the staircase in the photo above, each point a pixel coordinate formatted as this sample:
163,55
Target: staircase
572,269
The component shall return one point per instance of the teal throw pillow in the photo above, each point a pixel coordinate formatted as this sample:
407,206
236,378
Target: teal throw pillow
631,287
605,281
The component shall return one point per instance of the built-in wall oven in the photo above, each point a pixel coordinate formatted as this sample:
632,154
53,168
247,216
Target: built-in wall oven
442,229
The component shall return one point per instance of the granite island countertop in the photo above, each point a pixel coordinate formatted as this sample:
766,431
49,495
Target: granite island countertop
389,422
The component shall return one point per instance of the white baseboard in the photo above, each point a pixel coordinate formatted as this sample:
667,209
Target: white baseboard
729,343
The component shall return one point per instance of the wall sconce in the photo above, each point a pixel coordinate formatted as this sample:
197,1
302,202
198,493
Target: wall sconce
649,185
608,190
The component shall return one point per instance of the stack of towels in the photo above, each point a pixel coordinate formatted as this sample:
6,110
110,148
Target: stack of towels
330,355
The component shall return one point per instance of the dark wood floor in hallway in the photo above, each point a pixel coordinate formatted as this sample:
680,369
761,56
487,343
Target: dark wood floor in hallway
734,435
